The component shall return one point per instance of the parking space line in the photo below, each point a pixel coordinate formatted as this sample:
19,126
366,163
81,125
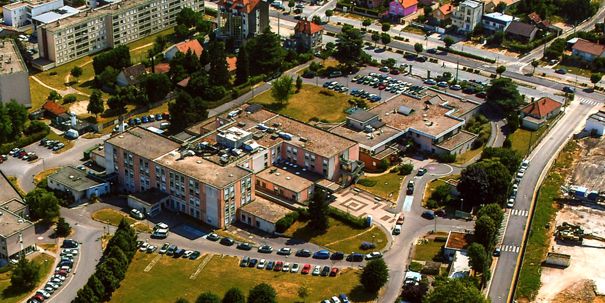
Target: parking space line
407,204
152,263
200,267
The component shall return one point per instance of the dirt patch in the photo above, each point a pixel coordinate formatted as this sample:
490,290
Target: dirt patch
79,108
580,292
591,165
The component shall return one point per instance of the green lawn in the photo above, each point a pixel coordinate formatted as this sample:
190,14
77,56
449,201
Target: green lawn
339,236
385,186
38,93
521,139
171,278
429,251
430,188
575,70
46,265
545,211
113,217
311,102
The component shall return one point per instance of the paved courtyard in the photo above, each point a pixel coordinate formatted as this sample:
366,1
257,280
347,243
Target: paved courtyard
361,203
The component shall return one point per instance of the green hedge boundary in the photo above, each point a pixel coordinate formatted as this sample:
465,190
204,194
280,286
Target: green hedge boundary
465,54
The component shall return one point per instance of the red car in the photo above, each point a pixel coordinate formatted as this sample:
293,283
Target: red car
381,86
39,297
306,268
278,266
334,272
62,272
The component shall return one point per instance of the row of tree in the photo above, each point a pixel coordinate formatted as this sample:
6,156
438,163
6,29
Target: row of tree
574,11
112,268
261,293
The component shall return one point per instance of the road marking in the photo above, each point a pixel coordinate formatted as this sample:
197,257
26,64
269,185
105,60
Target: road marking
520,212
589,101
153,262
407,203
510,248
207,259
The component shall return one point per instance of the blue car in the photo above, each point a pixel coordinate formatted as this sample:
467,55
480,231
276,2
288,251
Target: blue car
322,254
131,122
144,119
159,117
343,298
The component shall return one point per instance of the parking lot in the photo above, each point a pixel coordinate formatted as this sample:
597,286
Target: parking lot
62,274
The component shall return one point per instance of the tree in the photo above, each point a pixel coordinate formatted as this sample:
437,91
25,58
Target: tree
234,295
385,27
348,45
219,73
455,291
303,292
18,117
187,17
485,232
534,63
25,276
96,287
267,51
414,293
107,77
262,293
448,42
418,48
375,275
299,83
63,228
375,37
291,4
385,38
242,71
118,58
493,211
478,257
156,86
500,70
95,104
185,111
42,204
596,78
76,72
181,32
366,23
484,182
282,89
503,93
316,19
181,300
318,211
329,13
207,297
54,96
508,157
501,7
442,194
70,98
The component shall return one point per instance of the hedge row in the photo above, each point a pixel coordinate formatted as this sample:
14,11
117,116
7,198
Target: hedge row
465,54
352,220
284,223
24,141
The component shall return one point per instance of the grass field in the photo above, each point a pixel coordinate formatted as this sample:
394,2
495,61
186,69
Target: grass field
38,93
545,211
339,236
45,173
521,139
386,186
575,70
468,155
430,188
113,217
311,102
429,251
46,264
171,278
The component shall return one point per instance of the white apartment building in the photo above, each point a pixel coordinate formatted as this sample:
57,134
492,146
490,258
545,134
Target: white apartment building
467,15
21,13
14,81
105,27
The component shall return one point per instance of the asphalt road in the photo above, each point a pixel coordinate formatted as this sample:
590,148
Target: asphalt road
540,159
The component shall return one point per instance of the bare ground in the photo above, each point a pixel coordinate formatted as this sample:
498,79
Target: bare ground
590,171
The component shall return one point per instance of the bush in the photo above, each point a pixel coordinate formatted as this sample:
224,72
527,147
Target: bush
303,214
465,54
431,204
347,218
284,223
446,158
367,182
507,143
406,169
36,127
23,141
415,266
431,268
441,239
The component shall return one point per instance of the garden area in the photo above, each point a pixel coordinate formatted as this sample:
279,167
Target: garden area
339,236
430,248
45,263
220,274
523,140
385,185
113,217
311,103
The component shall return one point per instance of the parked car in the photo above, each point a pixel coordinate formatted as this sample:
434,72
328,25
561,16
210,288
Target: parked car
456,87
252,262
568,90
69,243
295,268
428,214
194,255
171,249
374,255
265,249
286,251
244,262
343,298
410,189
151,248
322,254
400,219
325,271
270,265
278,266
442,84
227,241
561,71
213,237
164,248
316,270
137,214
367,245
421,171
334,272
244,246
303,253
179,253
261,264
384,69
337,256
397,229
306,268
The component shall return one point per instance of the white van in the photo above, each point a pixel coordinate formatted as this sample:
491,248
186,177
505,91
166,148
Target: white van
160,233
397,229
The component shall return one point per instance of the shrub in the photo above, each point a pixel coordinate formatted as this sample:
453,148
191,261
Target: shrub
465,54
431,268
367,182
441,239
431,204
284,223
415,266
326,92
446,158
347,218
406,169
303,214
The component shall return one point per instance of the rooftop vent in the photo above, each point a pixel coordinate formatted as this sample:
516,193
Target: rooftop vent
288,178
198,161
71,177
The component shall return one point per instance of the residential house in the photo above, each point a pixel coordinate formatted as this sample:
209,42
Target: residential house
131,75
496,22
78,184
433,120
456,242
402,8
537,113
521,32
241,19
183,47
14,76
55,112
444,13
308,35
489,6
596,123
467,15
536,20
17,234
587,50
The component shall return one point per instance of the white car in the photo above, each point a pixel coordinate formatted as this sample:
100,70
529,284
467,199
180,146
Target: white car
73,251
373,255
316,270
187,253
397,229
284,251
53,285
525,164
43,293
161,225
286,267
261,264
294,268
335,299
137,214
60,277
143,246
510,203
49,289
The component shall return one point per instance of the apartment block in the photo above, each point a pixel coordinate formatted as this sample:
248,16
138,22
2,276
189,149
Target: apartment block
14,82
106,27
17,234
21,13
241,19
467,15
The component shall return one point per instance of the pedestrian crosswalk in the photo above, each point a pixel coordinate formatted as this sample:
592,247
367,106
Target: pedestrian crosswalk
510,248
589,101
520,212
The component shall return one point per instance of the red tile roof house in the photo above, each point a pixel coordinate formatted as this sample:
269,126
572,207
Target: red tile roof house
402,8
587,50
182,47
537,113
308,34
